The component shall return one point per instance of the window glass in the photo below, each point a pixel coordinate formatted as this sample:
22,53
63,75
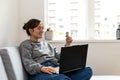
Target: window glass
107,18
67,16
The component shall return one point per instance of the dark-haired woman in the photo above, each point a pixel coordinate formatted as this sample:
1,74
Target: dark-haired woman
40,58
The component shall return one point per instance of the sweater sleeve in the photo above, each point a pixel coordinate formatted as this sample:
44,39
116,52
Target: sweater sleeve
30,65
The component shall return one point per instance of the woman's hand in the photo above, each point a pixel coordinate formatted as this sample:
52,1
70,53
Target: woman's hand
48,69
68,41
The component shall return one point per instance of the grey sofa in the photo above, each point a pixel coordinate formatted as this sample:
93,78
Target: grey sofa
10,64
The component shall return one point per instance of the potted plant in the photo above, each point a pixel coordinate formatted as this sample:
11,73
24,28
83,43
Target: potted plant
48,34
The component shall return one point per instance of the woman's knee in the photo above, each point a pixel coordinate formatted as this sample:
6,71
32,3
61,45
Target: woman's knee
60,77
89,71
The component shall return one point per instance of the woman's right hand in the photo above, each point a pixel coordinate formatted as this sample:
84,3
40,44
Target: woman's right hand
48,69
68,41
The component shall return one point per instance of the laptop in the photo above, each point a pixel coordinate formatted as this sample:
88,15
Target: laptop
73,58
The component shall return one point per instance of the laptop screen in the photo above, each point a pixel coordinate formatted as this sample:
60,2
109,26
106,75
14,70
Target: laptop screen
73,58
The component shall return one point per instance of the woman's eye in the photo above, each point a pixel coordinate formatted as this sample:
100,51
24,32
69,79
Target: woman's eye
40,28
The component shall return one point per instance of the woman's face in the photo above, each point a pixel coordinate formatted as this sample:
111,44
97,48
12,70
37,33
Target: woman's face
37,32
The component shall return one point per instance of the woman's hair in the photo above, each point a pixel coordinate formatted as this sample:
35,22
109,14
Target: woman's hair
31,24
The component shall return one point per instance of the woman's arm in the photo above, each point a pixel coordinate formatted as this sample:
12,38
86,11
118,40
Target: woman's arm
30,65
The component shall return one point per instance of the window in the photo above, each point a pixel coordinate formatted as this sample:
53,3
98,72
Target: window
107,18
66,16
73,16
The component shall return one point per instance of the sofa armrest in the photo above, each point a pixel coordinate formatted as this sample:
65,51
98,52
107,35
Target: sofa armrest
12,64
7,66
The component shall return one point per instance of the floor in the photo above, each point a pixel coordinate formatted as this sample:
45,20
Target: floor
108,77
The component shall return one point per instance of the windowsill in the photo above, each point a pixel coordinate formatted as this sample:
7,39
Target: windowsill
85,41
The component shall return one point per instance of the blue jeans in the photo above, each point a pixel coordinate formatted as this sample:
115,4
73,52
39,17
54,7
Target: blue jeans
84,74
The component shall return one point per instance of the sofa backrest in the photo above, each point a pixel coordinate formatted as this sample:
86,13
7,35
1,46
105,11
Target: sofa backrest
11,67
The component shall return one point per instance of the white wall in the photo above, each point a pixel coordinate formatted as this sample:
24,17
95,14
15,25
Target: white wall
13,15
8,22
103,56
30,9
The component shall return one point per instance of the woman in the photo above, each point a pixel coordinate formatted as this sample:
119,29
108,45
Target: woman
40,58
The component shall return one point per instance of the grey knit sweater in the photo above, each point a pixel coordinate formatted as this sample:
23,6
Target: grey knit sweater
34,53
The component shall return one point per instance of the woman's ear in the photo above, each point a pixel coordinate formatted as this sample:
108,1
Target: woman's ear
31,31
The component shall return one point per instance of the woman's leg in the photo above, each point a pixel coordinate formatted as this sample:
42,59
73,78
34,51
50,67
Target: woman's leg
44,76
84,74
